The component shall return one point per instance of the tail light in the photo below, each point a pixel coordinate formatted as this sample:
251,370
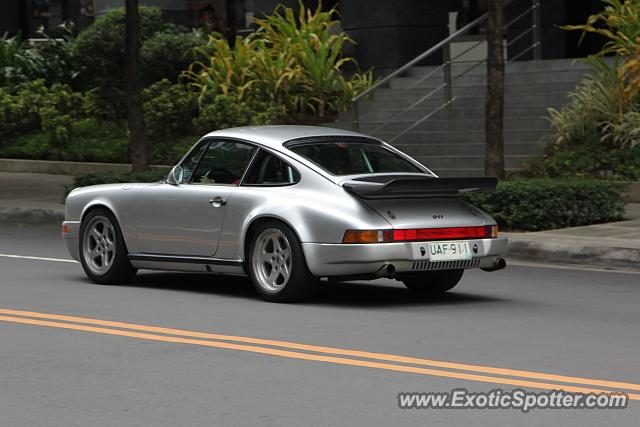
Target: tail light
420,234
368,236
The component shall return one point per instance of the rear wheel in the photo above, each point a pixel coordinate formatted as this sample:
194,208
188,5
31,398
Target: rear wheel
103,253
433,282
277,265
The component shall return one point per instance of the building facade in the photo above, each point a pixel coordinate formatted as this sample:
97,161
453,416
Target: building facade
388,33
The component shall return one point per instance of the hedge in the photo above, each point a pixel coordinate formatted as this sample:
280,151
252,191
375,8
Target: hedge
545,203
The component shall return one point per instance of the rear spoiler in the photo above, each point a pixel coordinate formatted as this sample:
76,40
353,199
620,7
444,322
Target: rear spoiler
419,187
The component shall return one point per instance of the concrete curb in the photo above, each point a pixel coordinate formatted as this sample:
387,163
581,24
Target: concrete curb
31,216
554,252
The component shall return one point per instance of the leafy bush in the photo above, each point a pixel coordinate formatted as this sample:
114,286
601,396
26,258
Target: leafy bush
598,132
169,110
34,106
295,61
542,204
50,59
166,54
89,141
100,50
9,47
221,112
312,46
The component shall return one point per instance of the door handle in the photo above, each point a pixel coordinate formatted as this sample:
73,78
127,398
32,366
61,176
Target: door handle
216,202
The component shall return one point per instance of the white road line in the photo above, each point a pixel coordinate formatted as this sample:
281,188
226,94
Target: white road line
37,258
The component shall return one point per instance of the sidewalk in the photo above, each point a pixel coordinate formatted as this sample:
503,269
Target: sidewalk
37,199
615,244
30,198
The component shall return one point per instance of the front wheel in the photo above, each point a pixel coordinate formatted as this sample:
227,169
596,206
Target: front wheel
433,282
103,253
277,265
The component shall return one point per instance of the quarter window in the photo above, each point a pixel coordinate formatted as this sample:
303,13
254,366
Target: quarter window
268,169
223,163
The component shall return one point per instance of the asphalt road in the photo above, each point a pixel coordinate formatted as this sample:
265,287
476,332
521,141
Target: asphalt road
59,371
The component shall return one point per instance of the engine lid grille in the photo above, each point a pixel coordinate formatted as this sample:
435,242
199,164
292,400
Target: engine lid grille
445,265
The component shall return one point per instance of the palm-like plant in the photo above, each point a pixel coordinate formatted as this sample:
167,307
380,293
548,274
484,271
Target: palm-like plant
292,59
223,69
619,23
311,41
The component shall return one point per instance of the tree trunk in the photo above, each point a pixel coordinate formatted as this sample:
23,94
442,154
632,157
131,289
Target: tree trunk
139,150
494,112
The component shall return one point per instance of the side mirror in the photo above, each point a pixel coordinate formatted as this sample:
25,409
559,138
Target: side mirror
175,176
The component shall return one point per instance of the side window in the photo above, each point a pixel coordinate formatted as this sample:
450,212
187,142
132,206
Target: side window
268,169
223,163
190,163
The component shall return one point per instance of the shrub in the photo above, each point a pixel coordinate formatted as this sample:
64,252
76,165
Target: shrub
542,204
312,45
294,61
166,54
597,133
100,49
9,47
221,112
34,106
89,141
50,59
19,112
590,157
169,110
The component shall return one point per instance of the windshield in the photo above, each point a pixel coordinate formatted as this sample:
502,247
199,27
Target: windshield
351,158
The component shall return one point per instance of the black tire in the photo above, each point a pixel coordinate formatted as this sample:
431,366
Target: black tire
120,269
433,282
300,283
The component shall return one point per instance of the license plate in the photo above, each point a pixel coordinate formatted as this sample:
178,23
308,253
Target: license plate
442,251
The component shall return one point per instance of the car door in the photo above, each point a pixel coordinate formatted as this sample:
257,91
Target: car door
186,219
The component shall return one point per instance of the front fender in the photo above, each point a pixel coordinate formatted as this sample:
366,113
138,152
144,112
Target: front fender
120,199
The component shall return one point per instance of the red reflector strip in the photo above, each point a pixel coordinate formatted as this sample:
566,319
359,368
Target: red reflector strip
442,233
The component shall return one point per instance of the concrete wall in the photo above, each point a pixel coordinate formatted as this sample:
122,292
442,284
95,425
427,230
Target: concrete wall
390,33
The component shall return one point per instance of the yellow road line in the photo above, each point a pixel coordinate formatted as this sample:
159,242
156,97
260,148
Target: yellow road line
305,356
317,349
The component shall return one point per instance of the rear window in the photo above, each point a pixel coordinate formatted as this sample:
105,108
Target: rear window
351,158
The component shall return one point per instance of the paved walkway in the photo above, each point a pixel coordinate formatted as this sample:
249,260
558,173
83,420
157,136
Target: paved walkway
38,198
33,190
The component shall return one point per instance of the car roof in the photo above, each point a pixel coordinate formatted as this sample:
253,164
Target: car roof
275,136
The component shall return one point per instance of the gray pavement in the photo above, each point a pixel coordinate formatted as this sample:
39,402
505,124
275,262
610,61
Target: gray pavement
534,318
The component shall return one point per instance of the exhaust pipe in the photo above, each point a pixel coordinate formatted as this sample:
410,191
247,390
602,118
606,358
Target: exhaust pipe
387,270
498,265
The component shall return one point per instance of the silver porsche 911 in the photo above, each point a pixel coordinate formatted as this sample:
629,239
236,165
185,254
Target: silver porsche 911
287,206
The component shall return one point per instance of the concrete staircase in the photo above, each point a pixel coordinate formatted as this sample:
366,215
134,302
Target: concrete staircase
452,141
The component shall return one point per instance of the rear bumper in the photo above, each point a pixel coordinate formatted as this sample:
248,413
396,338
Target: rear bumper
70,238
369,259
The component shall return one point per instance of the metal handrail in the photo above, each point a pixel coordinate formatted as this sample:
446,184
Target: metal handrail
425,54
447,85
